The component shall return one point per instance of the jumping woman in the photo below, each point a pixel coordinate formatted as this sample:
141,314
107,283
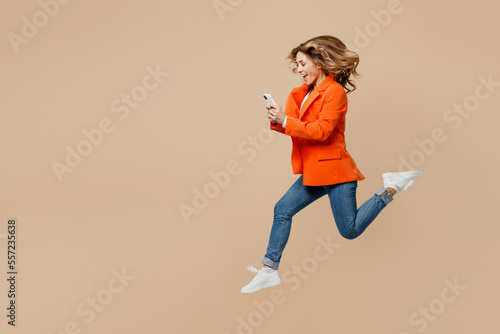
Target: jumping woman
314,117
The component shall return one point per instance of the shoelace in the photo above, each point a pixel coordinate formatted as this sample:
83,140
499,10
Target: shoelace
253,270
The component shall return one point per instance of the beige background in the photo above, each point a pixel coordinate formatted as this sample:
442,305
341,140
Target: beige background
119,209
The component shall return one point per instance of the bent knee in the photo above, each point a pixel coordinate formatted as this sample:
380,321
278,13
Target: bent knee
349,235
281,209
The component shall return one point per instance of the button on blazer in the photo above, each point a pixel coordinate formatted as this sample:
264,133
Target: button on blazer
317,130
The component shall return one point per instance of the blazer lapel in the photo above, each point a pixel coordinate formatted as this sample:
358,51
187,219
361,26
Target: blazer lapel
301,92
310,99
298,95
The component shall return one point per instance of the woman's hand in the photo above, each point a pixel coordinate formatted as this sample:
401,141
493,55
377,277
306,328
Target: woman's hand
276,113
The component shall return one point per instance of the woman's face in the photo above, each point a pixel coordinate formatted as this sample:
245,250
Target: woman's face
307,68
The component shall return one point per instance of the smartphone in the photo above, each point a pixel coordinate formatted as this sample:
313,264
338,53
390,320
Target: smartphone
268,98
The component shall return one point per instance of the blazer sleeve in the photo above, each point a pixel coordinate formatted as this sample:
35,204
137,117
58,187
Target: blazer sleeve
334,106
277,127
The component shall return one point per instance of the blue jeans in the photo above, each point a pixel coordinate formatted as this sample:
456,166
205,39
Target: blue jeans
351,221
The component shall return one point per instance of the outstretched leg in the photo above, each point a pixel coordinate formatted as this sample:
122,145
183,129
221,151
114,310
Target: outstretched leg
352,221
294,200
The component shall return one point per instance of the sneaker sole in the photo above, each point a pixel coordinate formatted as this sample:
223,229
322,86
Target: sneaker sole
260,287
410,173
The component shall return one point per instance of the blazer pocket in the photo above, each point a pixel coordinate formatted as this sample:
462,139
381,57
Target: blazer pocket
328,153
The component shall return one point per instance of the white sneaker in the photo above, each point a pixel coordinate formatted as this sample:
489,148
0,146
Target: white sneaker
402,180
261,280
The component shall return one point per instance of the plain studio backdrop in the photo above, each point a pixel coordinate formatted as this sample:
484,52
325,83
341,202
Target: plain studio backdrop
138,164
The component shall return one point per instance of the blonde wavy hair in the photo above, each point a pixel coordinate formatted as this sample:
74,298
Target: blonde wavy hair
332,55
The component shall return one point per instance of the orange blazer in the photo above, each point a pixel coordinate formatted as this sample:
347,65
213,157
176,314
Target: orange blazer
318,143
